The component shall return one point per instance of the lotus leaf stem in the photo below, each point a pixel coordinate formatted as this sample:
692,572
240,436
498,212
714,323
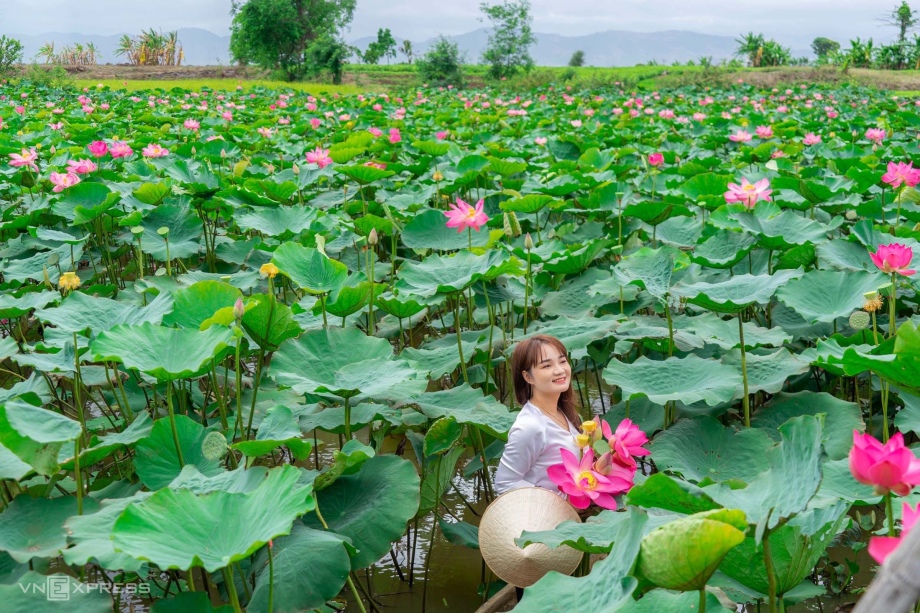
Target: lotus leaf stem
231,590
889,514
745,400
771,570
172,423
702,600
78,473
466,377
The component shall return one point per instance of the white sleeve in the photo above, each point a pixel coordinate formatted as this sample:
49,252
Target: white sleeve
525,443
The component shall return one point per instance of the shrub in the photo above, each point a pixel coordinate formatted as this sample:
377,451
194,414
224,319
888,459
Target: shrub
10,55
442,65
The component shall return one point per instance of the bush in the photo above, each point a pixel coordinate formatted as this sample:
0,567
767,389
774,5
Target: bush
43,76
577,59
10,55
442,65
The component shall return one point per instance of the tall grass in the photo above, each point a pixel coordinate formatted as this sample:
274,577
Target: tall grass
219,84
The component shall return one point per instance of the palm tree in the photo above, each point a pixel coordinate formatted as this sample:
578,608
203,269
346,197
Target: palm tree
47,52
751,45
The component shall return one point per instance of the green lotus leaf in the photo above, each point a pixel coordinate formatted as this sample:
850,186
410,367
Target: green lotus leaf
91,533
442,435
36,435
683,554
276,221
845,255
605,588
403,306
575,261
688,379
188,601
344,155
766,372
736,293
30,594
660,491
277,428
575,334
309,268
840,418
460,533
276,189
723,249
370,507
838,483
653,268
531,203
439,471
184,232
432,148
715,330
707,186
702,448
350,298
193,175
102,448
592,536
468,406
447,274
199,302
784,230
437,362
34,527
80,312
11,467
826,295
181,529
156,460
427,230
152,193
84,202
269,322
332,419
168,354
769,499
663,601
15,306
506,168
299,583
365,174
679,232
239,481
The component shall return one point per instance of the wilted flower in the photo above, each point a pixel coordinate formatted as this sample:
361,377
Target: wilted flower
268,270
873,302
69,281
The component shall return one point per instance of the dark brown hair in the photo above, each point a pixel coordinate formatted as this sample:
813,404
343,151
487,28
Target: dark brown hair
526,355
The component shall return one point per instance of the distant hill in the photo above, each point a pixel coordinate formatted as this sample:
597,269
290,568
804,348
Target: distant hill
202,48
610,48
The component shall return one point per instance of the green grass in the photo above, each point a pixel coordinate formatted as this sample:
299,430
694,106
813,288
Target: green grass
220,84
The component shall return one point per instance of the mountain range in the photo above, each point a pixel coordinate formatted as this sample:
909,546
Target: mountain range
610,48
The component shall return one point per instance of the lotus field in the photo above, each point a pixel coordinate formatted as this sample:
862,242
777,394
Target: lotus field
252,339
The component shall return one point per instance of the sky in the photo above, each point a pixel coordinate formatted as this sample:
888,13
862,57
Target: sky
791,22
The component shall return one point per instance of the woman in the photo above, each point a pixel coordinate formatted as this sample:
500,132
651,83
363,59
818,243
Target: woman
547,422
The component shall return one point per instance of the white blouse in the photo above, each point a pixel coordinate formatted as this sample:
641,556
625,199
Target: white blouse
533,446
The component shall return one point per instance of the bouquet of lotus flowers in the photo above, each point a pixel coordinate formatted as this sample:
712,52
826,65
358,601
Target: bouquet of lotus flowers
586,479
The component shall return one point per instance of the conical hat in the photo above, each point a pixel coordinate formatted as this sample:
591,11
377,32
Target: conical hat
532,509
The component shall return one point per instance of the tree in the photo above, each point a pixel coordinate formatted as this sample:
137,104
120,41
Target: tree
577,59
442,64
384,46
903,18
10,55
407,50
290,35
824,47
751,46
508,49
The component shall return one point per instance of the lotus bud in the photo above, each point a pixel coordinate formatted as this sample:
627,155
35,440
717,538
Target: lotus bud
604,464
528,242
372,237
194,150
296,170
53,150
859,320
239,309
223,154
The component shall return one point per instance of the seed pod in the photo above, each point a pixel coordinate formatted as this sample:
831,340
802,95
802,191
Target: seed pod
515,224
506,225
859,320
214,446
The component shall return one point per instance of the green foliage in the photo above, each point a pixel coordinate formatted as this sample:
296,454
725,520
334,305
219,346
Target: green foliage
10,55
442,64
577,59
508,50
762,52
824,47
384,46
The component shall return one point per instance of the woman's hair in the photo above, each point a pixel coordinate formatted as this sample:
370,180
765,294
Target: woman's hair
526,355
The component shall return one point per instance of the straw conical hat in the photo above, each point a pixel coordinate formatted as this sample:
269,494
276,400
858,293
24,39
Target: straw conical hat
529,508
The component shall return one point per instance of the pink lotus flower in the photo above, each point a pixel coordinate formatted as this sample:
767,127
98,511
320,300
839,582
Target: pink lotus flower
583,484
462,216
891,259
440,135
880,547
62,181
26,158
576,123
319,156
656,160
901,173
891,467
98,148
154,150
748,193
315,122
811,139
741,136
626,441
265,132
191,124
540,140
395,136
876,135
375,131
764,132
121,149
81,167
54,126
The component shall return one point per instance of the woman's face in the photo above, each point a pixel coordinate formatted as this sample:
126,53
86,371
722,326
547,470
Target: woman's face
552,374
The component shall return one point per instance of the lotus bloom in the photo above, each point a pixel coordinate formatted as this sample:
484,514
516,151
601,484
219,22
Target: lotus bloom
319,156
876,135
265,132
901,173
583,484
891,467
26,158
462,216
741,136
81,167
395,136
880,547
576,123
894,258
375,131
121,149
540,140
315,122
748,193
191,124
440,135
656,160
98,148
764,132
62,181
811,139
154,150
626,441
54,126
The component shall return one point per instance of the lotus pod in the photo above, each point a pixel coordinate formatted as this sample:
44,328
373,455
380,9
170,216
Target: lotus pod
214,446
859,320
683,555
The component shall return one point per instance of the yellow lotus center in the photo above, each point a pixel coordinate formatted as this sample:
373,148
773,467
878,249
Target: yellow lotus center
587,480
750,187
471,213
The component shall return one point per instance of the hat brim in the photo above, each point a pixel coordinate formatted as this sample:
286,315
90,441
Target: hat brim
532,509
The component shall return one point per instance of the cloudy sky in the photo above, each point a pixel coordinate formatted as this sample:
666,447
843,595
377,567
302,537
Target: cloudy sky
788,21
